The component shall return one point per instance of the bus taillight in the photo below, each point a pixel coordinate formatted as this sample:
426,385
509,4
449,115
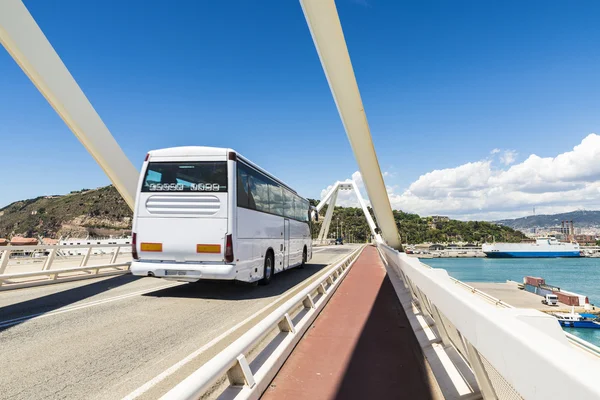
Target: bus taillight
229,249
134,252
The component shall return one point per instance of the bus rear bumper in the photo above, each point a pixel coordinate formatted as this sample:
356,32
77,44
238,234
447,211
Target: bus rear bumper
185,272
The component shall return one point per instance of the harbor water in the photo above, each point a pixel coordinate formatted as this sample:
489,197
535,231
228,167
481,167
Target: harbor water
579,275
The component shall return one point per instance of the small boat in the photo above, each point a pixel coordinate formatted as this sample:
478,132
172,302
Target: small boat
575,320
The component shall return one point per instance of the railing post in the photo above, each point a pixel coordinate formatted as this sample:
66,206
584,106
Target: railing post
308,302
322,289
113,260
483,380
49,260
86,257
441,328
4,260
240,374
286,324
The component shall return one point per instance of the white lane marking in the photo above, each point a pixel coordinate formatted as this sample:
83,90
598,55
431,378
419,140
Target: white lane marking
170,371
14,321
153,382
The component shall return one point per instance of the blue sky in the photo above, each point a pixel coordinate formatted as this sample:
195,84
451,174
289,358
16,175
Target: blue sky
443,84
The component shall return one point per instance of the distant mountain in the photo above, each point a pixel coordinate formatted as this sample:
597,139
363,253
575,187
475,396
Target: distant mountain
581,219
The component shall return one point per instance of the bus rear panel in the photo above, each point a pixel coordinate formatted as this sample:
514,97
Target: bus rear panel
181,225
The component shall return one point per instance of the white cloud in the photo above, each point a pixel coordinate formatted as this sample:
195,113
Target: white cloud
509,157
479,190
495,151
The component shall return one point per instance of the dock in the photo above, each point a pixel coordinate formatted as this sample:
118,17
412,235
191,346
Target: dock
510,293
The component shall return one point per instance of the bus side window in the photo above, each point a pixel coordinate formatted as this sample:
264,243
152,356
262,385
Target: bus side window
242,186
300,209
288,204
275,199
305,211
251,192
259,189
297,208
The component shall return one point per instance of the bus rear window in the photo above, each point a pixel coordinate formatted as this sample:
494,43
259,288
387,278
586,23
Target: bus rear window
196,176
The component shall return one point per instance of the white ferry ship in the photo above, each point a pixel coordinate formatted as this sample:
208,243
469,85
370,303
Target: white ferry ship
543,247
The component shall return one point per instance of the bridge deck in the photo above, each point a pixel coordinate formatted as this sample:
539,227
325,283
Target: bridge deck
361,346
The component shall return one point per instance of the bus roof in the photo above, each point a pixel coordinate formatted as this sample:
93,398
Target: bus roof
189,151
195,151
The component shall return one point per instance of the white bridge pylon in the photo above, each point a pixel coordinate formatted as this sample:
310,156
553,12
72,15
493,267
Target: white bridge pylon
28,46
326,30
331,198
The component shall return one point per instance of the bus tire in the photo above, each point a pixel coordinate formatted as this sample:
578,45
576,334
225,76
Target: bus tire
304,258
269,269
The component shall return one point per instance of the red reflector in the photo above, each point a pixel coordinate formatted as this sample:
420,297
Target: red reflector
232,156
134,253
147,157
229,249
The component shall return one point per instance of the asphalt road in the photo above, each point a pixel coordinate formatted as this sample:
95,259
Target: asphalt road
112,337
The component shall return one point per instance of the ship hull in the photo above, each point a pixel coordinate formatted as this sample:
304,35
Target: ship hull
580,324
542,248
532,254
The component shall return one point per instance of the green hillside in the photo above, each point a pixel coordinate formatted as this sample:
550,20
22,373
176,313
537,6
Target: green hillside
97,212
416,229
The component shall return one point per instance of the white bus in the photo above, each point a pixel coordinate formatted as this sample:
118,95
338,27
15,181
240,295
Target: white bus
209,213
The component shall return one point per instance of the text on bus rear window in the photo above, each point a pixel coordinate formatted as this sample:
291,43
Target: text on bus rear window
195,176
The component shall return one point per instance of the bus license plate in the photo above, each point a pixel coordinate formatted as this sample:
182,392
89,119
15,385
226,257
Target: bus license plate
176,272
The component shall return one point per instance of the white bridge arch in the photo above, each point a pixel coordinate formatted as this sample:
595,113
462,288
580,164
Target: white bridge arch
331,198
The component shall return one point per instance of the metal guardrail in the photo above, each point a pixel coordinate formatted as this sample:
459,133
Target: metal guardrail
582,344
7,281
289,322
473,290
54,253
478,292
513,353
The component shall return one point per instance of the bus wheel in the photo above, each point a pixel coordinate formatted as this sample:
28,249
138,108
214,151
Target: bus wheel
268,271
304,257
